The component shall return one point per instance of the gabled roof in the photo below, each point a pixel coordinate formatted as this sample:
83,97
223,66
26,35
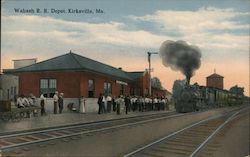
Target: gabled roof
214,75
72,61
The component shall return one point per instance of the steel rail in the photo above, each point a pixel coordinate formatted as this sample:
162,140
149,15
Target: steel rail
184,129
202,145
167,116
88,131
82,125
168,136
76,125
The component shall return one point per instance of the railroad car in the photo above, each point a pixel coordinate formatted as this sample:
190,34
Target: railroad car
194,97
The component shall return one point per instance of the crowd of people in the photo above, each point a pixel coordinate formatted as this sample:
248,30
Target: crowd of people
30,101
24,102
107,103
58,102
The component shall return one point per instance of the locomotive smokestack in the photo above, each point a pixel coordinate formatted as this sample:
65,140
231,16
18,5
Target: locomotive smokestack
188,80
181,56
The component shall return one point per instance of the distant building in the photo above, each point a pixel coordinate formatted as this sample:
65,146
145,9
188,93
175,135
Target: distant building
8,87
9,82
160,92
216,81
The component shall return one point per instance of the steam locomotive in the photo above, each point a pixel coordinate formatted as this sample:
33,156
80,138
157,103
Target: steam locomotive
194,97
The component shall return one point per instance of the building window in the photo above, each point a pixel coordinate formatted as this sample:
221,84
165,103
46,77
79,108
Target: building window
52,83
107,88
47,87
91,88
44,84
122,89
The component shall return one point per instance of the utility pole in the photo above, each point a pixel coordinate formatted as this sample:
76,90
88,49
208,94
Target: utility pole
149,70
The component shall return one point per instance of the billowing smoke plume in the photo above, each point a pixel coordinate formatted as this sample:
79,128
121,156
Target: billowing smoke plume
181,56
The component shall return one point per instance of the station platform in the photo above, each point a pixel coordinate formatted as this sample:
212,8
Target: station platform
55,120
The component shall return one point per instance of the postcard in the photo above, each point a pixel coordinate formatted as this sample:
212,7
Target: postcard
124,78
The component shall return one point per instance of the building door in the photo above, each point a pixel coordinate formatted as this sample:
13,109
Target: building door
91,88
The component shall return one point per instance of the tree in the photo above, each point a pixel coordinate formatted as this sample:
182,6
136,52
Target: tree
237,90
156,83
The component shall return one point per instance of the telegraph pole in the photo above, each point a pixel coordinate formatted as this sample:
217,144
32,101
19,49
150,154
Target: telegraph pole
149,70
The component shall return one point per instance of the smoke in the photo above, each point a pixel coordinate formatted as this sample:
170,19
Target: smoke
181,56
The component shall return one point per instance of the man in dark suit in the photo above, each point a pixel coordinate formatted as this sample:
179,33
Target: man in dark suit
127,103
100,104
60,102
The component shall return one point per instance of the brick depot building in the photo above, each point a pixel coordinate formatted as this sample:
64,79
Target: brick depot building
77,76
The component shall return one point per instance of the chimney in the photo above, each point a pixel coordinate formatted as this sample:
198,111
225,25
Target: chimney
188,81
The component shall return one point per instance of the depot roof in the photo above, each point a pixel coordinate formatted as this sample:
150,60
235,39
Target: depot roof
72,61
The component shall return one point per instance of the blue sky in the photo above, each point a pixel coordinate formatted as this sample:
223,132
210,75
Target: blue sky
128,29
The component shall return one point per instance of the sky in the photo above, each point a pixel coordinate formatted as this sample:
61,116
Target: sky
124,31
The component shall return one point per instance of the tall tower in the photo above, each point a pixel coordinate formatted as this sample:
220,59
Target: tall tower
215,81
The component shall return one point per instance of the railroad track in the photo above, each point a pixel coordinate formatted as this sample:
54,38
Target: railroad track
2,134
19,139
188,141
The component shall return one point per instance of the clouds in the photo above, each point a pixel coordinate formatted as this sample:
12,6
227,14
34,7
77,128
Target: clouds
214,30
189,22
219,33
49,37
78,32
